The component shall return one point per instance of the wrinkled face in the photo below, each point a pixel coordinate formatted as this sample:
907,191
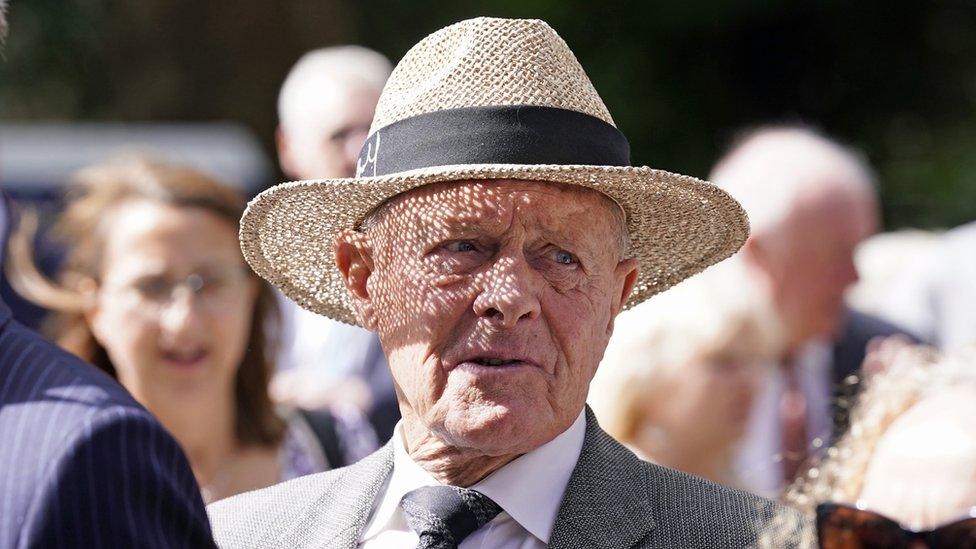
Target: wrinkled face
494,302
326,142
815,262
923,471
168,342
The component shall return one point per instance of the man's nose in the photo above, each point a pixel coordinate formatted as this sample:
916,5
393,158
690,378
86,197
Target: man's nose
509,292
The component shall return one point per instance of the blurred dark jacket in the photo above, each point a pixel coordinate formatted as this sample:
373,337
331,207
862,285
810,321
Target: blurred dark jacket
848,355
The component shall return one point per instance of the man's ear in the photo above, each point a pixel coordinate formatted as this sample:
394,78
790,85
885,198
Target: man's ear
626,275
354,259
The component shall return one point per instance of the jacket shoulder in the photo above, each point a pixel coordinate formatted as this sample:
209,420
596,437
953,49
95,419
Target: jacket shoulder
36,370
76,439
324,510
261,518
697,510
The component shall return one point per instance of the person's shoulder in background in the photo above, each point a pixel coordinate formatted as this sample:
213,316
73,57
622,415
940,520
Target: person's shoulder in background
857,333
83,464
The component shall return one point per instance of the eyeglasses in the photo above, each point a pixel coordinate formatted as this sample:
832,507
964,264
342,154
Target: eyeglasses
842,526
215,289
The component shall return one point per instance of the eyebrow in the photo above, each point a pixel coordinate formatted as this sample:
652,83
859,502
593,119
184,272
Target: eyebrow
459,227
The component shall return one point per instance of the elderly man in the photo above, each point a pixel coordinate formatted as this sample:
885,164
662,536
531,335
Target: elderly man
810,202
324,110
494,231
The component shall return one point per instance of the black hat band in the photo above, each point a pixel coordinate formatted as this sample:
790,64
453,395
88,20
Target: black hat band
517,134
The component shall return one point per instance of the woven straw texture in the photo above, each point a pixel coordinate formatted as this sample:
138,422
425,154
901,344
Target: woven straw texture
678,225
488,62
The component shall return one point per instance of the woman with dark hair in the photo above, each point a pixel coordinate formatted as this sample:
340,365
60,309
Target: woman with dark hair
155,292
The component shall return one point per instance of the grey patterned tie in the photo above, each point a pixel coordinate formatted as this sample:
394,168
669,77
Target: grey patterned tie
444,515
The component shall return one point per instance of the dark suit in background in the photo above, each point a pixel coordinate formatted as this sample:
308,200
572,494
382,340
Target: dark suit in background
848,355
82,464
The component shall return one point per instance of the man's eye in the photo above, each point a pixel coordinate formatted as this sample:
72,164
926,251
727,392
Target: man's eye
461,246
564,258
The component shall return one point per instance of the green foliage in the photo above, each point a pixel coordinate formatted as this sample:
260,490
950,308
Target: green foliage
896,79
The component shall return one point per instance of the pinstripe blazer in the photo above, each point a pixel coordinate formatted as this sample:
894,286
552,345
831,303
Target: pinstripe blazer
613,501
81,463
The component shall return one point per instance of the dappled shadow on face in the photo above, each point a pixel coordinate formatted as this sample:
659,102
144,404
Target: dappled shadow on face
493,301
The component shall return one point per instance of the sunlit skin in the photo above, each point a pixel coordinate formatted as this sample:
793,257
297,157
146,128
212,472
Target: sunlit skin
451,275
809,259
923,471
181,361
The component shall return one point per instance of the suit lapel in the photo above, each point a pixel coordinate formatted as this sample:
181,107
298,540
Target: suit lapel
607,501
337,517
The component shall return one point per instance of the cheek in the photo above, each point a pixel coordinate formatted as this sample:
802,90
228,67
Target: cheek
580,321
416,316
230,334
414,305
418,376
228,331
130,341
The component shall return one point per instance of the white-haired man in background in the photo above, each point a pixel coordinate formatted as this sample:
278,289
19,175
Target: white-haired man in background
325,108
810,202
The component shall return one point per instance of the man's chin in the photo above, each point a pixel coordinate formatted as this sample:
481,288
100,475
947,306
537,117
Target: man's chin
495,429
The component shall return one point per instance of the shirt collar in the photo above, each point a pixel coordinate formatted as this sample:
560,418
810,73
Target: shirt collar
529,488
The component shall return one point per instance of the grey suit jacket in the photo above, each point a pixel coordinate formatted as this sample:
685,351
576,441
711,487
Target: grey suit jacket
613,500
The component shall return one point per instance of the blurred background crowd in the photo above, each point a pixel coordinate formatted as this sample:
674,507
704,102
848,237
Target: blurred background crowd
131,136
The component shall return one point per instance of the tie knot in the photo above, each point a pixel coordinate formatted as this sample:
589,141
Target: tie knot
444,515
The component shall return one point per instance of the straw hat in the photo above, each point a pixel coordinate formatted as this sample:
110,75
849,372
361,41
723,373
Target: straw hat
483,99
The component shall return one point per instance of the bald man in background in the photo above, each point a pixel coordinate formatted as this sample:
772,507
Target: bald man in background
325,107
810,202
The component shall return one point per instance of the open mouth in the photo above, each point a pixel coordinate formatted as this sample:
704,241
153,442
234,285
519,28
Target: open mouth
187,358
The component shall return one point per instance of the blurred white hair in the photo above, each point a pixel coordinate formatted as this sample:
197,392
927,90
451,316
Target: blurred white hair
771,167
319,70
912,374
715,313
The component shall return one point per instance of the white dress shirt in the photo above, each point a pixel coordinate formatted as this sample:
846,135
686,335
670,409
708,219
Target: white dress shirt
758,461
529,490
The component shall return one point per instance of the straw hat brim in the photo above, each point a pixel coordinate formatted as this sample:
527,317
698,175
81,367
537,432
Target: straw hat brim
678,225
